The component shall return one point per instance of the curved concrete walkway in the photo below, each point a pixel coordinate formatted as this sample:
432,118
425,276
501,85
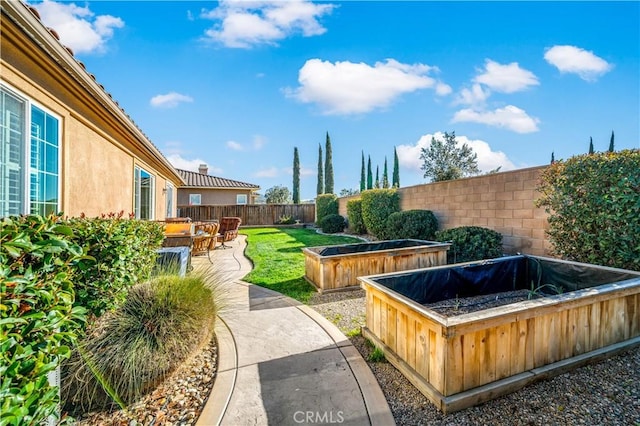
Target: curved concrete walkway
282,363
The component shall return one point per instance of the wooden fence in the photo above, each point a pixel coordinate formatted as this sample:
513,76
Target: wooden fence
251,214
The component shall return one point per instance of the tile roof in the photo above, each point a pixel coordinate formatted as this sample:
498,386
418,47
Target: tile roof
199,180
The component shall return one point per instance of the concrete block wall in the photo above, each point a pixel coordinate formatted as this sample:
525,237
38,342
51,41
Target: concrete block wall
503,202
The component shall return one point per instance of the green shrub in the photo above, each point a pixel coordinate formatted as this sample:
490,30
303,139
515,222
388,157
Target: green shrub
326,204
470,243
412,224
354,213
124,251
332,223
37,318
593,203
377,206
131,350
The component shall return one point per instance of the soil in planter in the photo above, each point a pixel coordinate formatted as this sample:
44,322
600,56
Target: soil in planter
465,305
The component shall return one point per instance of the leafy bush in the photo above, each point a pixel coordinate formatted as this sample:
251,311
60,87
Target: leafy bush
286,220
332,223
593,204
470,243
326,204
414,224
377,206
39,322
131,350
354,213
124,251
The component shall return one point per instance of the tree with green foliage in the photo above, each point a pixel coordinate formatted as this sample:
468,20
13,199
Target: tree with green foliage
296,176
591,151
348,192
445,160
369,175
377,184
277,195
320,187
385,175
328,167
553,158
396,170
611,149
363,179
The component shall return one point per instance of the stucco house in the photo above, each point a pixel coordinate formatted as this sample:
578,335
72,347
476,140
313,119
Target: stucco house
66,145
200,188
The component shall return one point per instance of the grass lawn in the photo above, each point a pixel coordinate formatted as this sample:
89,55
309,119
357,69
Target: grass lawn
278,262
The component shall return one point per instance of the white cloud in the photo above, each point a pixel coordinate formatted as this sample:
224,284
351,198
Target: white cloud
477,95
258,142
572,59
409,155
78,27
244,24
192,165
355,88
267,173
506,78
170,100
509,117
234,146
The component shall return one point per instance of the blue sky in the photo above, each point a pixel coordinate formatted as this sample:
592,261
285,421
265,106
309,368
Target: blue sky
238,84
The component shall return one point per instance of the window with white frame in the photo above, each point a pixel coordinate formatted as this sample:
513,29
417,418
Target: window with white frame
29,157
241,199
168,192
144,183
195,199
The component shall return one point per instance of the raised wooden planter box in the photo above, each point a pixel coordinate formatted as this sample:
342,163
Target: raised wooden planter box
460,361
338,267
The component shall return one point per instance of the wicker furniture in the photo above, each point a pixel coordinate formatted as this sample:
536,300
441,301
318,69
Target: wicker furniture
205,237
229,229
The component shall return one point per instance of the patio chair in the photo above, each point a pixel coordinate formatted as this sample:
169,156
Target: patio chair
204,238
228,230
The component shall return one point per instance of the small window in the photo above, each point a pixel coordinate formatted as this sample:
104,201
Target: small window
143,193
241,199
195,199
169,200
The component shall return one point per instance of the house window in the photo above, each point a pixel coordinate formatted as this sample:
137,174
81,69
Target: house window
241,199
29,167
195,199
143,193
169,200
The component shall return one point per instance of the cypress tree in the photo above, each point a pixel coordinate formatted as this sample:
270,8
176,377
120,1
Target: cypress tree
320,187
377,177
553,159
363,181
396,170
590,145
296,176
369,175
385,176
328,167
611,149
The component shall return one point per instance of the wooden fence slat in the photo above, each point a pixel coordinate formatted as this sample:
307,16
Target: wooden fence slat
251,214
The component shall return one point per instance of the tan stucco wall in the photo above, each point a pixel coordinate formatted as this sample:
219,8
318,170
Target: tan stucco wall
503,202
97,153
211,197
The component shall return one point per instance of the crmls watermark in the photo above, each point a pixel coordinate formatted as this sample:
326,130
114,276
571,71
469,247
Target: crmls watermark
322,417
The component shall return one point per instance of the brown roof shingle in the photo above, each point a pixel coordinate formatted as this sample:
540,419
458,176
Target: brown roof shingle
199,180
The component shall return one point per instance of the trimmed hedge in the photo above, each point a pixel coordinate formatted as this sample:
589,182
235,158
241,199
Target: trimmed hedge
326,204
412,224
38,319
354,214
377,206
593,202
333,223
470,243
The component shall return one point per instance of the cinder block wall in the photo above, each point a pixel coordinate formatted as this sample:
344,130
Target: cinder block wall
503,202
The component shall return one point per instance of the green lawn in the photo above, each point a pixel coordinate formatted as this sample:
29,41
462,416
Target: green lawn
278,262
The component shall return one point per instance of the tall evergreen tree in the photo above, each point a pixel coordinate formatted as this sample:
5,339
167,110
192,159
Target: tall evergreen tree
591,145
320,187
396,170
369,175
328,167
385,176
611,149
363,179
377,184
296,176
553,158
